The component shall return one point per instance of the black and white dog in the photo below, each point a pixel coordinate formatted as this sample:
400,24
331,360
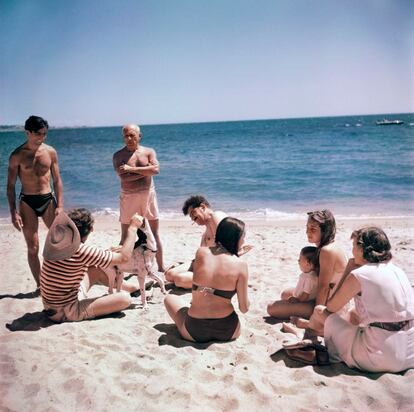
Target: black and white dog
141,263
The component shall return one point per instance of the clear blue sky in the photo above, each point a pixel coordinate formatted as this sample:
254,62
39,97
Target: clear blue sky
107,62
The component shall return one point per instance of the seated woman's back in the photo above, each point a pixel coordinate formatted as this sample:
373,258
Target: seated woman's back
217,274
332,261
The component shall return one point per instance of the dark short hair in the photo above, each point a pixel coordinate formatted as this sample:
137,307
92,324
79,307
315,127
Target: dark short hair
310,253
35,123
193,202
326,221
83,220
228,233
374,242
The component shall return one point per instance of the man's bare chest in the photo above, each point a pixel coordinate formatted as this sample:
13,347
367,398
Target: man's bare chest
37,164
136,159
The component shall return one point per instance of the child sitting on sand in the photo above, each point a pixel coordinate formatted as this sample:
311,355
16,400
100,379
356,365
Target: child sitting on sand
307,286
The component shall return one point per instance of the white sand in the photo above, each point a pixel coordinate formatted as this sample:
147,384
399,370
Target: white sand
137,361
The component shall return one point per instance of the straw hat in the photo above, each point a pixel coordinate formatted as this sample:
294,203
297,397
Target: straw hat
62,240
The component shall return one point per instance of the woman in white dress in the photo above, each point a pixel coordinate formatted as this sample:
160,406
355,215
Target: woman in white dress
380,334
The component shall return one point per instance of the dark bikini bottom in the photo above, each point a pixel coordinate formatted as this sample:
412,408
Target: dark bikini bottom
205,330
39,203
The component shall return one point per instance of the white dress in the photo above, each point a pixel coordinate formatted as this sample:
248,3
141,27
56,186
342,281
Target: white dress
386,296
308,283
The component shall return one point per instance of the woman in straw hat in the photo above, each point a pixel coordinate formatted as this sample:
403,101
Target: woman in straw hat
70,268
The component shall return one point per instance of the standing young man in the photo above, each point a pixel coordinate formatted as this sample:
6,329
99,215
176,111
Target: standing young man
36,165
135,166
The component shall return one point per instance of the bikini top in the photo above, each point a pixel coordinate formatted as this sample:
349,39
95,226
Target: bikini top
226,294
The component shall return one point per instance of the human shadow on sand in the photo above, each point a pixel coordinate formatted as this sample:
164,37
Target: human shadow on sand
273,321
175,290
329,371
33,321
172,337
30,322
27,295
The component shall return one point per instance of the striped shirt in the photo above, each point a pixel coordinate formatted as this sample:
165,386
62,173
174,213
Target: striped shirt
60,280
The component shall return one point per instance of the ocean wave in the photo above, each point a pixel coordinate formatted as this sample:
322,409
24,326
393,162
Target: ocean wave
268,214
265,214
106,211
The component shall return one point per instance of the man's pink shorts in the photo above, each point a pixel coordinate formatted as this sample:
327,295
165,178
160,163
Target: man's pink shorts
144,203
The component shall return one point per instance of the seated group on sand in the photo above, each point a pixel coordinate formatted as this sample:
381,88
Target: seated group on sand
362,307
376,335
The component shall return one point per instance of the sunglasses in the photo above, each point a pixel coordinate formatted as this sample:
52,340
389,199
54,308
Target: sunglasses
319,215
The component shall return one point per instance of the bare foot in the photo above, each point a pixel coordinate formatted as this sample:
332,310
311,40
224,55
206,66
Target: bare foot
288,328
300,322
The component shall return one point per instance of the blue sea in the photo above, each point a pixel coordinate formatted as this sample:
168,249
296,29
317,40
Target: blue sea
271,168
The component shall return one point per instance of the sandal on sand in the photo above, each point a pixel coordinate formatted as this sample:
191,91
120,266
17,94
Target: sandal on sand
304,355
315,354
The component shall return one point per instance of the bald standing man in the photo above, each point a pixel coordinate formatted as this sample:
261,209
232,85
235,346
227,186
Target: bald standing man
135,165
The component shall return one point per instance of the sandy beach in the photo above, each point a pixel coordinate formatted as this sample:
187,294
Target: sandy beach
137,361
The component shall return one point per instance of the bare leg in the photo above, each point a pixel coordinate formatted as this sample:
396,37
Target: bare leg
49,215
180,275
177,311
124,231
154,224
130,286
282,309
236,333
301,323
288,328
317,320
97,276
111,303
171,272
108,303
30,232
287,293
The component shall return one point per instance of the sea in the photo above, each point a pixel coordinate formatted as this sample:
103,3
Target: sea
265,169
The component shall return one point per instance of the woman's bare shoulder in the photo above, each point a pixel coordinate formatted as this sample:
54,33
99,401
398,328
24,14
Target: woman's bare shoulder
203,250
332,251
331,248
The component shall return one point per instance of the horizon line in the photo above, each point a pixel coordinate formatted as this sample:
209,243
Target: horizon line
213,121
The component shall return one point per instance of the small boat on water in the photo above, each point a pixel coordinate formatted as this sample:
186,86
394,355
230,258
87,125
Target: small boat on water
386,122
